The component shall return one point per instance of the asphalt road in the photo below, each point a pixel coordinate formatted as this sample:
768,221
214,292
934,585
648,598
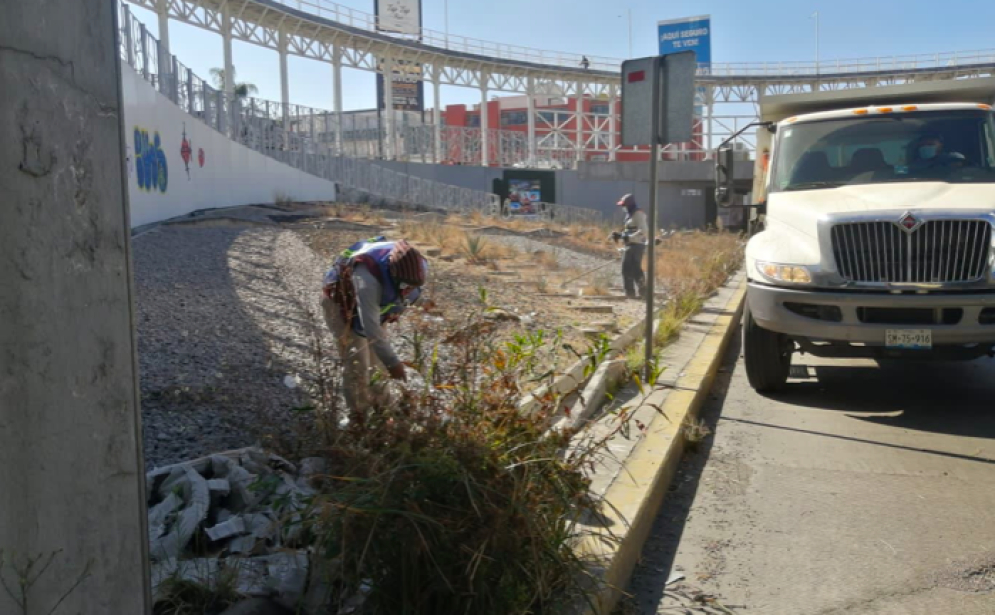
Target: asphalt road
861,489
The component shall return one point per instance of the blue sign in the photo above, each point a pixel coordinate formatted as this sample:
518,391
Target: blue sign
689,34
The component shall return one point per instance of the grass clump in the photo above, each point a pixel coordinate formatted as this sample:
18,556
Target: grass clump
213,594
450,500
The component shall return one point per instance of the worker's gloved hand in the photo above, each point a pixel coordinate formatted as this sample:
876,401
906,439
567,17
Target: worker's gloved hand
615,236
397,372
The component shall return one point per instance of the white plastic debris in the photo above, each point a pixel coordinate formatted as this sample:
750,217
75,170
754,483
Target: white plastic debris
291,381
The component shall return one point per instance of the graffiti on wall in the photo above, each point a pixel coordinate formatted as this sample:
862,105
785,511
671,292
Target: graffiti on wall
151,169
185,151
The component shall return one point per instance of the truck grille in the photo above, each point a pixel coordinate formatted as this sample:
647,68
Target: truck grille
937,251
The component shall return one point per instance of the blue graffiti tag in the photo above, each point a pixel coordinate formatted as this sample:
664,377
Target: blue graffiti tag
151,170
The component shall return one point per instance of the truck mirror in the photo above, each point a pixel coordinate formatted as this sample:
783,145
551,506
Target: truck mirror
725,181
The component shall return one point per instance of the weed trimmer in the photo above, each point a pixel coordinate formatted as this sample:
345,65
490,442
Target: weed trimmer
659,239
589,272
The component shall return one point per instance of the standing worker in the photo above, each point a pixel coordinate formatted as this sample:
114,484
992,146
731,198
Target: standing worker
634,236
369,285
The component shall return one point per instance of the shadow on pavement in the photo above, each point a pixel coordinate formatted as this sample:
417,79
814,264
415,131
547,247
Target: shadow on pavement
954,398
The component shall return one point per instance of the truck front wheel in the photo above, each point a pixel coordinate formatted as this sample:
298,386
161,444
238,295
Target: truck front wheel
767,355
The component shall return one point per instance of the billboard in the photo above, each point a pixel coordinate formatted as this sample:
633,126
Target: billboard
401,16
523,196
408,87
687,34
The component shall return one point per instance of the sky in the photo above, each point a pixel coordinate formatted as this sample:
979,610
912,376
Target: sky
742,31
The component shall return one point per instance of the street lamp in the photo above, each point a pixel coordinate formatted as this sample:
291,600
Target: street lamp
815,16
629,12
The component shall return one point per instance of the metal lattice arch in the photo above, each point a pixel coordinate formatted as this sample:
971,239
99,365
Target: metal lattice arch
346,38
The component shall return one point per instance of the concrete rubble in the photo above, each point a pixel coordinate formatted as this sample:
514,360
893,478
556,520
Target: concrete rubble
240,512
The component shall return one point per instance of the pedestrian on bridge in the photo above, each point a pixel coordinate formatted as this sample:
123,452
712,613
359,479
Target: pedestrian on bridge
369,285
634,235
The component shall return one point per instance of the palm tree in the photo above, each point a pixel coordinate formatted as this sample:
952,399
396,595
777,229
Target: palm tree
242,90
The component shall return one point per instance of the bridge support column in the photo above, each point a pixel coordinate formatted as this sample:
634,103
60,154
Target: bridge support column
162,12
530,96
709,142
437,99
284,89
485,144
390,140
226,35
579,123
165,64
612,123
71,470
337,96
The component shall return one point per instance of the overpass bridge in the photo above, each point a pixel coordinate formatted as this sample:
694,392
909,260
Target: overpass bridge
347,38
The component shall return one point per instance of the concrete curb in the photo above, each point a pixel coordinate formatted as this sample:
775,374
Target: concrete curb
636,495
574,377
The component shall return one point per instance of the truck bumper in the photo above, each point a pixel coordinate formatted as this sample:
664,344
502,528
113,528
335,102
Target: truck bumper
853,317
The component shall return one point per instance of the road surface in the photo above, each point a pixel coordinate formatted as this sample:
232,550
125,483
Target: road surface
861,489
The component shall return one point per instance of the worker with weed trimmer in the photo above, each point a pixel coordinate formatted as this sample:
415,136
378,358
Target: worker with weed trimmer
369,285
634,235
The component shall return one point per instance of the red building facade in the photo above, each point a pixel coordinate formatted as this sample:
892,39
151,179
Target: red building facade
556,128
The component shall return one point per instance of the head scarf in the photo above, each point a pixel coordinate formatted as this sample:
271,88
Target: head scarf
407,265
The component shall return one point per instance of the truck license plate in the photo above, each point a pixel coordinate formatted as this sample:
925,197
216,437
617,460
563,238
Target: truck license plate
913,339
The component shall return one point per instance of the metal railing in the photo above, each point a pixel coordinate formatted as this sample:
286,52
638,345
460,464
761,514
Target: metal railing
902,63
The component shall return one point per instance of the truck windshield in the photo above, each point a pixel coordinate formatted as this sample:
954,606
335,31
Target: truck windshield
951,146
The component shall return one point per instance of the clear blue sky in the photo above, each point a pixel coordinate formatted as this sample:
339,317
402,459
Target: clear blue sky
742,30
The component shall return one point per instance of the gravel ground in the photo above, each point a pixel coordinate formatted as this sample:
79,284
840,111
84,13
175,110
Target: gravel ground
567,259
227,317
224,317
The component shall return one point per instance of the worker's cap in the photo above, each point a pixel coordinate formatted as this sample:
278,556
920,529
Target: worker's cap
626,200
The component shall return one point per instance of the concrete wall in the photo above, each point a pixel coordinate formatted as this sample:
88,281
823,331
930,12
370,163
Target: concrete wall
598,185
71,470
475,177
231,174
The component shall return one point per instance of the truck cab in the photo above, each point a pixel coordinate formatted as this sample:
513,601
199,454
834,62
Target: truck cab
875,217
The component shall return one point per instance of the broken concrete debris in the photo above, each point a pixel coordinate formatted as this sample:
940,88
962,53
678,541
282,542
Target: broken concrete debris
240,512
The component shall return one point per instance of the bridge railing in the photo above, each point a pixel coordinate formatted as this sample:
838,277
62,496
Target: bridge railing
334,11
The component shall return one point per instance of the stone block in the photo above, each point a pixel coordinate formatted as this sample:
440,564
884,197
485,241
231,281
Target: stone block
228,529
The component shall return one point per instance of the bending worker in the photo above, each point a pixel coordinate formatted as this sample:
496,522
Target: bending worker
634,236
369,285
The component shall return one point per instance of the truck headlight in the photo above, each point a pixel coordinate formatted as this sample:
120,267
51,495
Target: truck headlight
792,274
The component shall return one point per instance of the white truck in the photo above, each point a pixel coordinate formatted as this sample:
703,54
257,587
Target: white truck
873,217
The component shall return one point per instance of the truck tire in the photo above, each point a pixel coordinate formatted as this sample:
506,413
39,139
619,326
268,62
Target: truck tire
767,355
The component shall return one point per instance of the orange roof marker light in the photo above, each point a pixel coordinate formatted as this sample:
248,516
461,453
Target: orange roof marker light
985,107
860,111
791,119
884,109
910,108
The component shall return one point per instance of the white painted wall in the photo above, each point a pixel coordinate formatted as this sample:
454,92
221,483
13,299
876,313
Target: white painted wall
231,175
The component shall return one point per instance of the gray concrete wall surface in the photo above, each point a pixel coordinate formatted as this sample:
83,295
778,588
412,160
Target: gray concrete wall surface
599,185
71,473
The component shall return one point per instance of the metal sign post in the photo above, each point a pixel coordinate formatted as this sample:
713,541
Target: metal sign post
657,107
651,254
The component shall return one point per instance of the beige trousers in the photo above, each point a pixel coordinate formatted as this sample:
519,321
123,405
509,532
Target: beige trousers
364,378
